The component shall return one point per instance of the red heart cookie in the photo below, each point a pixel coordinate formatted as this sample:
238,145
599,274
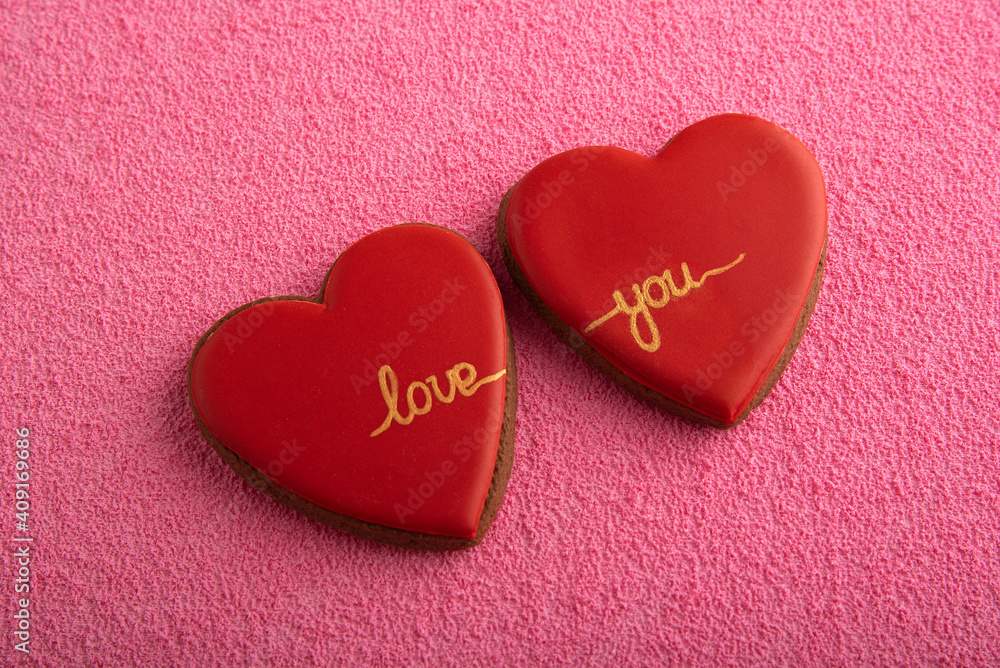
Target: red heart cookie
688,277
386,408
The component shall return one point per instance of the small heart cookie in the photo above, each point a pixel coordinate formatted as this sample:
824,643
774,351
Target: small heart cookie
689,277
385,408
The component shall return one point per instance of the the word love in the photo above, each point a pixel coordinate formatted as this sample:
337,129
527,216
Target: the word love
645,299
461,380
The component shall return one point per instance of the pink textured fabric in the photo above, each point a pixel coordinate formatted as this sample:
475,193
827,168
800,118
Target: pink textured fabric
162,163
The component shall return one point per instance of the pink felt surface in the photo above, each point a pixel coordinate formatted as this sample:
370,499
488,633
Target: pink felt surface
162,163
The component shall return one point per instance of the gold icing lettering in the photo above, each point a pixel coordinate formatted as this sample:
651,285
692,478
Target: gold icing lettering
465,385
645,299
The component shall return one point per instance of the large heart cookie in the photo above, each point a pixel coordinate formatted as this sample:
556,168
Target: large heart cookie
688,277
385,408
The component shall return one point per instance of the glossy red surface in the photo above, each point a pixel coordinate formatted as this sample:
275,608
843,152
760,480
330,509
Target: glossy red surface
291,385
593,220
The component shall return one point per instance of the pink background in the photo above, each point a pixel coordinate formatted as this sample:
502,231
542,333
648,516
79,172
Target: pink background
162,163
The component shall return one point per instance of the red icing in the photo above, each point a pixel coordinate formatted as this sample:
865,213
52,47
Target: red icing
291,385
592,220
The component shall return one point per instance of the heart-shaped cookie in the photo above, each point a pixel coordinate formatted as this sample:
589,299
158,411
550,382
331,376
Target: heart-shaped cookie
688,277
386,407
